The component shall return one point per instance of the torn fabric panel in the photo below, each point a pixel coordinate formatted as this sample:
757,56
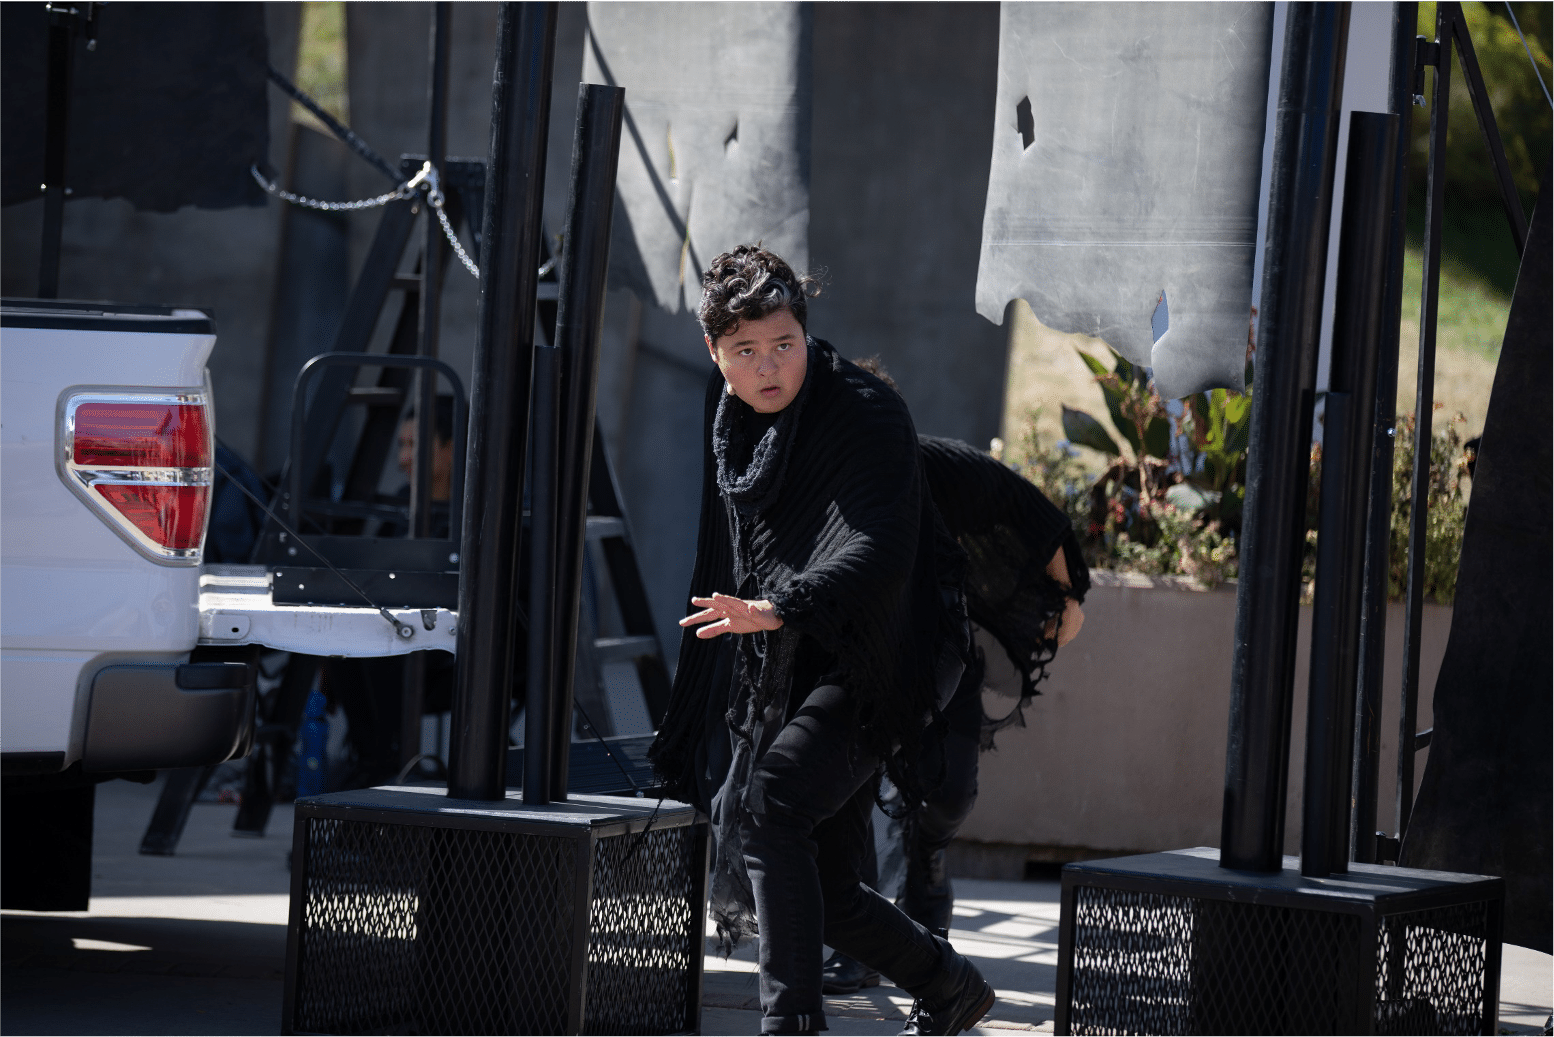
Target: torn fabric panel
715,148
1127,155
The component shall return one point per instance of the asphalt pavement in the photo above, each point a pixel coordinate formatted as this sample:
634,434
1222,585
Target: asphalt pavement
196,944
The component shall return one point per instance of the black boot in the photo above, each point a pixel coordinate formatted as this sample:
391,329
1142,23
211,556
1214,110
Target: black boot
927,896
843,975
956,999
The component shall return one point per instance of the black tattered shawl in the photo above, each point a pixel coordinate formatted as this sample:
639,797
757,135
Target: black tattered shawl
1010,532
845,549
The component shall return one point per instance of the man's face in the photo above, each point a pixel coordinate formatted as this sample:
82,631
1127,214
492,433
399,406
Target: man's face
442,459
763,361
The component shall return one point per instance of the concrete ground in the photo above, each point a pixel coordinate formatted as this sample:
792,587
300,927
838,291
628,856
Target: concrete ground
196,944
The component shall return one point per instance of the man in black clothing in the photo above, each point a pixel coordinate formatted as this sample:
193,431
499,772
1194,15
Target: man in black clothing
820,550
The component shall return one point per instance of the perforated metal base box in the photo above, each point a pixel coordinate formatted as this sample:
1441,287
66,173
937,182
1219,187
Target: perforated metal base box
1171,943
415,913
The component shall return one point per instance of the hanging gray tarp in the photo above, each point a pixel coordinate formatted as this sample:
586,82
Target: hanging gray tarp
1127,154
715,149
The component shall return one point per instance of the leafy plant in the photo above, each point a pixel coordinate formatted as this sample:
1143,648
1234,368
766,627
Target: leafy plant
1056,471
1219,434
1447,509
1169,503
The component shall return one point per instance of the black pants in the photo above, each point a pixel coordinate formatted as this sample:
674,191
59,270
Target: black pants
949,769
805,835
949,766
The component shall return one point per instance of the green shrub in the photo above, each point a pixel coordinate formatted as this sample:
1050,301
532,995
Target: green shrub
1448,508
1171,504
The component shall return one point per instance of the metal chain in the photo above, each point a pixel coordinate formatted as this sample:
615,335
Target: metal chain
434,197
404,190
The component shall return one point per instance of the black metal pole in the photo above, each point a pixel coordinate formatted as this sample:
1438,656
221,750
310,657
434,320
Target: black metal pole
579,322
1358,324
1378,522
1267,597
55,138
433,265
539,700
1424,401
499,395
412,699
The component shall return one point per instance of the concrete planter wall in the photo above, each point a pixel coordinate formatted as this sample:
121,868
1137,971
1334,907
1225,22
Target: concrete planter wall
1124,750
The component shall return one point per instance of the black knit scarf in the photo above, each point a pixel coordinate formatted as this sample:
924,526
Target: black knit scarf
758,485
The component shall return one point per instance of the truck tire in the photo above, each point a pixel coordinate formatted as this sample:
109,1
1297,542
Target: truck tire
47,833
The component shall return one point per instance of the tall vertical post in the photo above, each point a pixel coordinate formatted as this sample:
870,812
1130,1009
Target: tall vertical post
429,318
1346,460
498,421
540,696
1378,522
579,325
1424,401
1267,597
433,264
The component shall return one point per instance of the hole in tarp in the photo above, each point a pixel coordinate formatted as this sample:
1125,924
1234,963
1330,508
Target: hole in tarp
1026,121
1160,320
733,136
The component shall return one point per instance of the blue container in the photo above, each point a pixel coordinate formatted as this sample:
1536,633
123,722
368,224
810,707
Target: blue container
313,761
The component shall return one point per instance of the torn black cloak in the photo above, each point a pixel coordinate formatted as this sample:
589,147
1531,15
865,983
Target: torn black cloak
1009,531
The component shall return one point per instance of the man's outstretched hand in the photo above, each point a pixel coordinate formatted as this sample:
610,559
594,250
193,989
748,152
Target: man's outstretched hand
726,614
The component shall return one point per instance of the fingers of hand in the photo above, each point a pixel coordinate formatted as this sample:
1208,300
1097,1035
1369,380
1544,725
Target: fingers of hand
730,605
722,626
1073,620
703,616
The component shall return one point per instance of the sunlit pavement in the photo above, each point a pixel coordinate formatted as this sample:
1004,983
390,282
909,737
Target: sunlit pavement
196,944
1009,928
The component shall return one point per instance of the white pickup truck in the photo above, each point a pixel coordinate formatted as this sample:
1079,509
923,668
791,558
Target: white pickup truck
120,652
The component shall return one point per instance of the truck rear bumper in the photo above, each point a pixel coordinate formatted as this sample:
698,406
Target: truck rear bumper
169,715
237,608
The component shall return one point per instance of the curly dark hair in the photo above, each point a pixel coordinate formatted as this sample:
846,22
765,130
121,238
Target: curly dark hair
749,283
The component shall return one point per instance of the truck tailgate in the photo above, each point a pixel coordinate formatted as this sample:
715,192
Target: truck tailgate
236,608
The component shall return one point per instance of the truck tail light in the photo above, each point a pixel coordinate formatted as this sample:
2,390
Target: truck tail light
143,462
172,516
141,435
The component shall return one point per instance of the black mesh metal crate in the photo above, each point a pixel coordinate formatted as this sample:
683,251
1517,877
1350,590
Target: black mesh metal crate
415,913
1171,943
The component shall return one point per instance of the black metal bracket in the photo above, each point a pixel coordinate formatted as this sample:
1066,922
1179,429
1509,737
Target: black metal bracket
1427,53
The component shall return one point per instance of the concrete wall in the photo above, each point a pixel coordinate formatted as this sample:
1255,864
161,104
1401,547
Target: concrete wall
903,136
222,261
1125,749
